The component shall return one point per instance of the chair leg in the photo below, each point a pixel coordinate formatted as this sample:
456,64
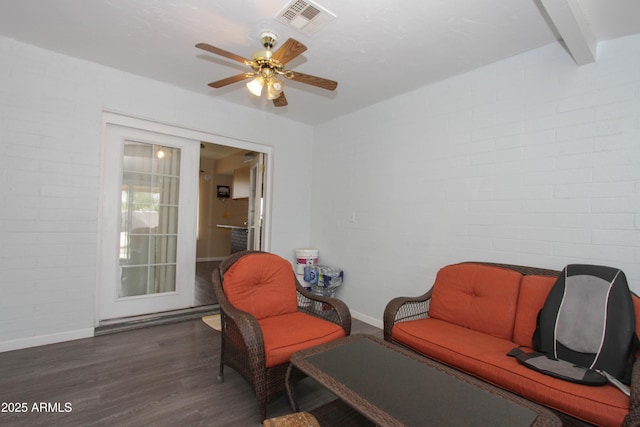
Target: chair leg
222,340
221,373
263,411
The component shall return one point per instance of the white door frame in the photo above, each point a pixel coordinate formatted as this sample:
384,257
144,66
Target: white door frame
254,216
104,272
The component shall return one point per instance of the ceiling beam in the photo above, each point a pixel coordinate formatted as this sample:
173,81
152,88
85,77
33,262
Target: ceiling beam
569,20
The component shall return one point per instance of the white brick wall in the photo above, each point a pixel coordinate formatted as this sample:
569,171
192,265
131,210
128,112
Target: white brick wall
50,136
531,161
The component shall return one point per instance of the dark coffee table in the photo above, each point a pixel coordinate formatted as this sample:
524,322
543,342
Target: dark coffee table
392,386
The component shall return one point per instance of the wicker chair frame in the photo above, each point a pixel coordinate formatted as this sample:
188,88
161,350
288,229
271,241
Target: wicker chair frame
402,309
242,343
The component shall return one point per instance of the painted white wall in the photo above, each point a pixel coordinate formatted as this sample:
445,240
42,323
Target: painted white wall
531,160
50,138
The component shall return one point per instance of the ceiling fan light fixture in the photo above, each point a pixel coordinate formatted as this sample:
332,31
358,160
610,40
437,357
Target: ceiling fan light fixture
255,86
274,88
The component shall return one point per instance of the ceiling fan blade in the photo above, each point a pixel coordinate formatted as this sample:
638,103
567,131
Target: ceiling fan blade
314,81
221,52
289,50
229,80
280,101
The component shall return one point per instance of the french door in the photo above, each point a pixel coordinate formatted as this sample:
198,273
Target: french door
255,214
148,222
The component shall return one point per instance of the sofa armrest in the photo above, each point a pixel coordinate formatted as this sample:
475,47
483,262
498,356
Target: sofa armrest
327,308
401,309
633,417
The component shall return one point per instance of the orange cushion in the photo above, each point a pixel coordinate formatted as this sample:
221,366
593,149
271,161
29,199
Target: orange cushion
484,356
262,284
478,297
287,333
533,293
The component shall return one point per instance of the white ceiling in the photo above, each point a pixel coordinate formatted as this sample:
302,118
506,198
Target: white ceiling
375,49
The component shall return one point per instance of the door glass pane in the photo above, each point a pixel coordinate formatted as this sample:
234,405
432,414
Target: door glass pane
149,223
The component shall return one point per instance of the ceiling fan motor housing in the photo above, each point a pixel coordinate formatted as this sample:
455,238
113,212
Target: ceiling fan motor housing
263,58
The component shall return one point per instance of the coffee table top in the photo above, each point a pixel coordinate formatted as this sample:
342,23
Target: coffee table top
393,386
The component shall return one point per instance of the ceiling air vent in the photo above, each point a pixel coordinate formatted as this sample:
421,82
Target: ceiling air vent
305,16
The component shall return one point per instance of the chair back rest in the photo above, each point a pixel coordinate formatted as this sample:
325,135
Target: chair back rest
262,284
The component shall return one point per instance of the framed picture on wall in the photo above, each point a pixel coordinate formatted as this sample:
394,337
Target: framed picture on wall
224,191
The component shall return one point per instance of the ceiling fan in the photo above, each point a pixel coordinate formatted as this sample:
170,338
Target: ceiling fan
267,67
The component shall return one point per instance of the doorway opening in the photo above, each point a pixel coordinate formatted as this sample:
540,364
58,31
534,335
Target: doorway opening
230,210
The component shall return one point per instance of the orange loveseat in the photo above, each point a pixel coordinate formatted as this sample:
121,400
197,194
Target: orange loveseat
475,313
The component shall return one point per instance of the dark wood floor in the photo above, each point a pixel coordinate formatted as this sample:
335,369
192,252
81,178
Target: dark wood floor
162,376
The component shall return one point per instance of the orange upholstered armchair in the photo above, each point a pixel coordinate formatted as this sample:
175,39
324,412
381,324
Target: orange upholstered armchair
267,316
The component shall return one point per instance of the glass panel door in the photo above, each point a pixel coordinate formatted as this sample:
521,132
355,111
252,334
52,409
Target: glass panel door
149,224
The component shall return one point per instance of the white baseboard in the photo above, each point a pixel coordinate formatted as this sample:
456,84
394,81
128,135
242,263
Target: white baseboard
45,339
367,319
